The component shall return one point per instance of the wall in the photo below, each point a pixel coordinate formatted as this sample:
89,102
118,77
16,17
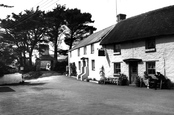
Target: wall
99,60
164,56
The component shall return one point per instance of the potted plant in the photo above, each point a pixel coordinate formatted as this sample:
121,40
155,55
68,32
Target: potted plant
122,80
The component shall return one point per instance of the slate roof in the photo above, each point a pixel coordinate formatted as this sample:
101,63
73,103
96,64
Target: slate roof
93,38
155,23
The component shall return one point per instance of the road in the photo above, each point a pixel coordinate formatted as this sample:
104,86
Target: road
60,95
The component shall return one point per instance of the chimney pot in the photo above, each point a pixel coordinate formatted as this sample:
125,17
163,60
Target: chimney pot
121,17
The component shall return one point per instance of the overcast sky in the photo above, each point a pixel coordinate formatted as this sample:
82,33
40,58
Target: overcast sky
103,11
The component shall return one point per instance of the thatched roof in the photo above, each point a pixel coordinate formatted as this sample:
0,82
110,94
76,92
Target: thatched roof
155,23
93,38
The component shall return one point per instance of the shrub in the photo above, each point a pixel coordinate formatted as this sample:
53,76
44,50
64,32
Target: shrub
122,79
60,67
32,75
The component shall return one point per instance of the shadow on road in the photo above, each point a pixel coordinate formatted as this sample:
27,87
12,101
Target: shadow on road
33,84
24,83
6,89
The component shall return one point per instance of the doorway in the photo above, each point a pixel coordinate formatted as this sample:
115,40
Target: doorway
133,72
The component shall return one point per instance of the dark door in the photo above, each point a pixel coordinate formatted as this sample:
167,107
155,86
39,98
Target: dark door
133,72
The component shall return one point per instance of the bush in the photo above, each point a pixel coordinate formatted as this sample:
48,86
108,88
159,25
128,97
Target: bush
32,75
60,67
122,80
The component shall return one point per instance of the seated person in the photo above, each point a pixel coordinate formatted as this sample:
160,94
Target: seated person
160,76
146,79
154,81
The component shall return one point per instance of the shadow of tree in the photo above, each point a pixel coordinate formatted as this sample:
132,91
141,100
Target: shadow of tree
23,83
6,89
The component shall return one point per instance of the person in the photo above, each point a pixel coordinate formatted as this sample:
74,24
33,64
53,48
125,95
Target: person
154,79
161,79
146,79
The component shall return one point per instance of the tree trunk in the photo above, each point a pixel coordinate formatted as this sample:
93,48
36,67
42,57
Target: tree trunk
71,41
30,59
55,49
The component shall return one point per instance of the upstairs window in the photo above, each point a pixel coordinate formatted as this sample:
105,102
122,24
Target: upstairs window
85,50
80,65
117,68
92,48
150,67
70,54
117,49
150,45
78,52
93,64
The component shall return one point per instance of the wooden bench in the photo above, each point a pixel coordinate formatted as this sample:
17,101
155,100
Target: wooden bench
113,80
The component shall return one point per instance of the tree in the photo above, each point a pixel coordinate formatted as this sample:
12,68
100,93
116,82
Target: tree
6,6
25,31
55,19
78,22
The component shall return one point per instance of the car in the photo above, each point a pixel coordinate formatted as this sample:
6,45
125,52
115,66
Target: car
10,75
12,78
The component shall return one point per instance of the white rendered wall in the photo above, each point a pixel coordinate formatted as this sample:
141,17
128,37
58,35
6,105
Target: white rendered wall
99,60
164,56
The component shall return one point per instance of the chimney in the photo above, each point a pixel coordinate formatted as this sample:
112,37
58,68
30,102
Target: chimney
121,17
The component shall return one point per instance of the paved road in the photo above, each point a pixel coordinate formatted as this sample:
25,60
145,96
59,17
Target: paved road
60,95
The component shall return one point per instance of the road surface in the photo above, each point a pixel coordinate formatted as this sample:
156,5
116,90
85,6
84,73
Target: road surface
61,95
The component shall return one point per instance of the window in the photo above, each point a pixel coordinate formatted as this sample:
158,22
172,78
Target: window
150,45
92,48
78,52
117,49
79,65
93,64
150,67
70,54
85,50
117,68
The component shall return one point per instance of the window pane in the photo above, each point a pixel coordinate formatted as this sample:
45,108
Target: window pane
117,68
93,64
150,44
92,48
150,66
117,48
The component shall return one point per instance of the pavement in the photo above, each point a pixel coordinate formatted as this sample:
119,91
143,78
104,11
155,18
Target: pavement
61,95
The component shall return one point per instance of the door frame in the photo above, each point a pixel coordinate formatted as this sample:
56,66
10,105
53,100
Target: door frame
131,65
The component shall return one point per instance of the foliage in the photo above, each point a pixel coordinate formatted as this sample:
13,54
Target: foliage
24,38
55,20
60,67
24,32
32,75
123,79
6,6
78,22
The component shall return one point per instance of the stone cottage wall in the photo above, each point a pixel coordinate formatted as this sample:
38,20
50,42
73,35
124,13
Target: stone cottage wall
164,56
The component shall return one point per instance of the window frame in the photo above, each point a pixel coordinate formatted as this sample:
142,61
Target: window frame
78,52
93,65
150,45
92,48
153,63
117,49
117,68
85,50
79,65
70,53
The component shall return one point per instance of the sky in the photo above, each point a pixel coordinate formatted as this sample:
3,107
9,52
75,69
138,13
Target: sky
103,11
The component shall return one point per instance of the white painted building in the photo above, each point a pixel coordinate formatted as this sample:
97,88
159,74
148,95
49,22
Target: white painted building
142,43
88,57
